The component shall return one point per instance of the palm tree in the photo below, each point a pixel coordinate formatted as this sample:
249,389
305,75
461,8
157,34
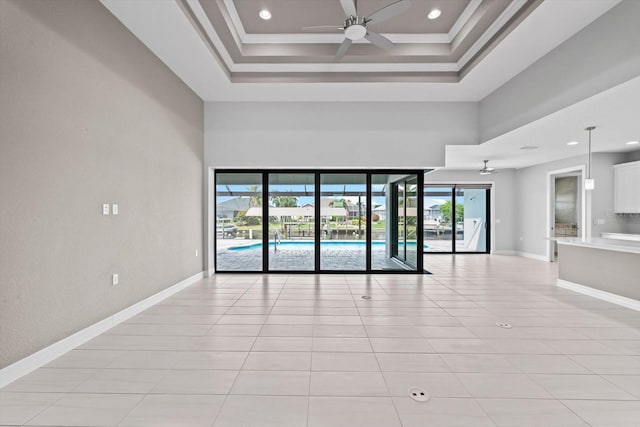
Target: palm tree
284,201
255,200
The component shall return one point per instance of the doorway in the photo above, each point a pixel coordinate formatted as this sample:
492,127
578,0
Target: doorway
566,207
457,218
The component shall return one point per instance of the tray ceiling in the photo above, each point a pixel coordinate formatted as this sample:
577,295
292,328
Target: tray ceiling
251,49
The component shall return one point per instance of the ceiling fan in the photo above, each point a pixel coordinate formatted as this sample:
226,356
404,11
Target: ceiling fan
487,170
355,27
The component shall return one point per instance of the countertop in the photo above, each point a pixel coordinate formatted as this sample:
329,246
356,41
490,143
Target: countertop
599,243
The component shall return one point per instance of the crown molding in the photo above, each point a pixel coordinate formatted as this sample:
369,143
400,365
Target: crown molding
302,38
493,29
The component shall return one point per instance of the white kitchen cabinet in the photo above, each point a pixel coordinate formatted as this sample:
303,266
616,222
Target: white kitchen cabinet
627,187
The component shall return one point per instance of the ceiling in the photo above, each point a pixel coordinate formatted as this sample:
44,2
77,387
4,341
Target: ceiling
224,52
439,50
614,112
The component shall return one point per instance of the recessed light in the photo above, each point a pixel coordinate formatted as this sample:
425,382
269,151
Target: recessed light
573,143
434,13
265,14
529,147
633,142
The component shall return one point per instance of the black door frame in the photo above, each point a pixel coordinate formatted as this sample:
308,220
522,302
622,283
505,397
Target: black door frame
453,250
419,268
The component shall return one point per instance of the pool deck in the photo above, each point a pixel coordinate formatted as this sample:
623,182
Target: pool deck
296,258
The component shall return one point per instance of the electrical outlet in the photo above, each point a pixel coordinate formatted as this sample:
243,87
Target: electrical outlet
105,209
196,252
115,279
114,209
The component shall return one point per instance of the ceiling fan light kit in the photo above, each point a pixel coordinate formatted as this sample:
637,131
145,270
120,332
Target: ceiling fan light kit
356,27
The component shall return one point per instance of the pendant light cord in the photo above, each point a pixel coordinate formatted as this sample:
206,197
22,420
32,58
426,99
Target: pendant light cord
589,129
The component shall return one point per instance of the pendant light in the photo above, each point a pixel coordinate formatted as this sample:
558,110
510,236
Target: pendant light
589,183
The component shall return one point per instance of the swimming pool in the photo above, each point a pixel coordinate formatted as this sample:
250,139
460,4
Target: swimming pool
309,244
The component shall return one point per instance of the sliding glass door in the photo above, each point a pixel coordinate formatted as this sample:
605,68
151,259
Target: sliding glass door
411,221
238,215
343,211
438,229
456,218
472,223
318,221
292,222
405,218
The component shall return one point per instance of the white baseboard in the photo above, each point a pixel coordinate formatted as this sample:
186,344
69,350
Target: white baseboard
532,256
597,293
504,252
211,273
42,357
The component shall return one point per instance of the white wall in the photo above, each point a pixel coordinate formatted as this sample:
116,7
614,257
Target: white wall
502,206
531,200
339,134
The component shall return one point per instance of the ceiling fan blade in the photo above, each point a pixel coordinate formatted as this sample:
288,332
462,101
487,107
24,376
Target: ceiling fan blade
349,7
389,11
322,28
380,41
343,49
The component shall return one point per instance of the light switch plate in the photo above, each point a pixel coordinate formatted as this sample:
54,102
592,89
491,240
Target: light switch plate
115,279
105,209
114,209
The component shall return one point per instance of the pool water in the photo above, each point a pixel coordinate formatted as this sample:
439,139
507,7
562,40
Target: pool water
303,244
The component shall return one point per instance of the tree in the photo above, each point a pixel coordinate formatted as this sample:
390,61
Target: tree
242,218
255,200
284,201
445,209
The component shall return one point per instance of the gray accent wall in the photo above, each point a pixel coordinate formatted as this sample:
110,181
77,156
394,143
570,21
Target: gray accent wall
601,56
89,116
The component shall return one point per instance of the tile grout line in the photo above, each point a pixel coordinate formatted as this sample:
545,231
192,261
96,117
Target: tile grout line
375,355
213,422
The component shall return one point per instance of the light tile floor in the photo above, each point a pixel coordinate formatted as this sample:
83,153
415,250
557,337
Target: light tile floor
305,350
